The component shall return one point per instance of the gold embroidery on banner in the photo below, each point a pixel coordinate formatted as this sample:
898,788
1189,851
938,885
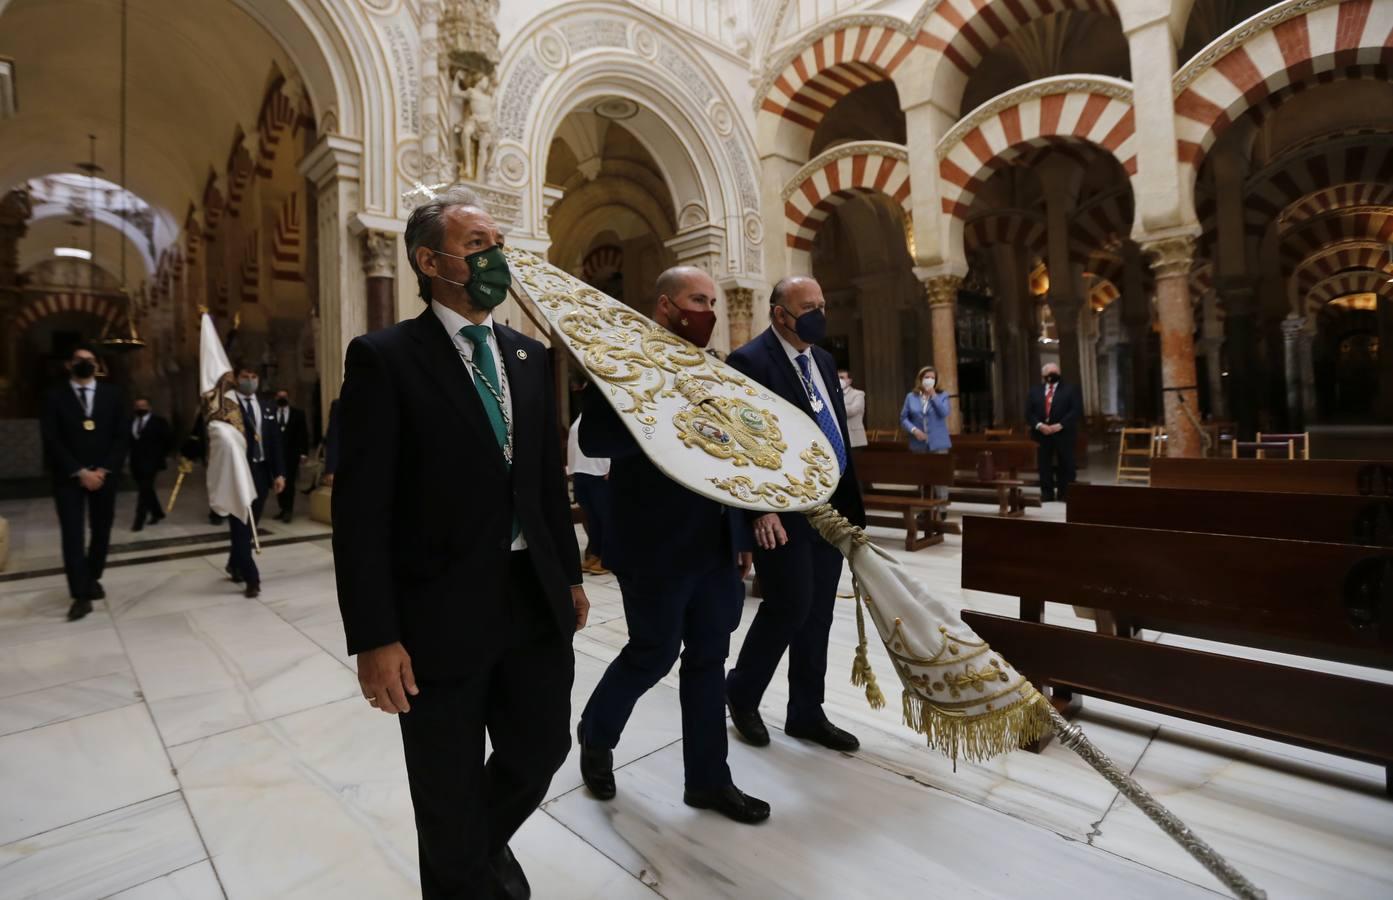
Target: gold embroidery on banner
728,428
817,478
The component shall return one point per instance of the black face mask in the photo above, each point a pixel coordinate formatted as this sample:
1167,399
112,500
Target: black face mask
282,402
1052,378
84,368
811,327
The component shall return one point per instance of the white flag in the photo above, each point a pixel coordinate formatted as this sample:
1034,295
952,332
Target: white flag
231,489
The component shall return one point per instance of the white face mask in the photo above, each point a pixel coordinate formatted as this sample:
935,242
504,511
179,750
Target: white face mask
928,384
845,384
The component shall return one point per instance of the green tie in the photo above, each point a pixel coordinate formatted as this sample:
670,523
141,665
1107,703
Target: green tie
484,364
483,360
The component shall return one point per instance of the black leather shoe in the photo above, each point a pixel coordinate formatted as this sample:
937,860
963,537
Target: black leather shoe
826,734
233,574
97,592
596,769
511,878
730,802
253,590
79,609
138,526
155,520
750,725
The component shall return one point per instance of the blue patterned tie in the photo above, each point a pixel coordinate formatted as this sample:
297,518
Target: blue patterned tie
825,420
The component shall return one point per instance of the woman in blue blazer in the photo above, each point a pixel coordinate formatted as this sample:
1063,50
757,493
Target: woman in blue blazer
924,416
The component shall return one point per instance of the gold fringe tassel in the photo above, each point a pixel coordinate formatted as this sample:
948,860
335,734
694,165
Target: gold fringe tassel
861,673
982,736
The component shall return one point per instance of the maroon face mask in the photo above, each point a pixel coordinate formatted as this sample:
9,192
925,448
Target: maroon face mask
695,325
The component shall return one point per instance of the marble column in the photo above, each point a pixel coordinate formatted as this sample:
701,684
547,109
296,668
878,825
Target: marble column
1211,344
740,306
1139,401
1292,326
1175,312
380,270
942,294
1241,340
1305,342
882,347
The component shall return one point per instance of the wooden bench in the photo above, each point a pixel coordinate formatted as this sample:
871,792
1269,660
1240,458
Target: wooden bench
1328,601
1296,476
902,482
1003,463
1329,518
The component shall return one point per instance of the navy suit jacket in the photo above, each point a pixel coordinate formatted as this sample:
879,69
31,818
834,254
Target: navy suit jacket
69,447
764,360
1065,409
657,526
269,430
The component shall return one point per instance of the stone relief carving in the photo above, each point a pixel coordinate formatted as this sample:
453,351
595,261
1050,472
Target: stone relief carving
469,36
516,102
1171,256
585,34
1110,88
475,135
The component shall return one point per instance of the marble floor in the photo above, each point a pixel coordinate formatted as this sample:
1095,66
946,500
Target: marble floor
184,742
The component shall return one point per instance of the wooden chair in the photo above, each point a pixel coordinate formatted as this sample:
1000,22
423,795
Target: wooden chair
1264,449
1137,444
1301,442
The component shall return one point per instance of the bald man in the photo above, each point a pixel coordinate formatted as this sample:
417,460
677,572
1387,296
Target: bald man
1053,411
681,577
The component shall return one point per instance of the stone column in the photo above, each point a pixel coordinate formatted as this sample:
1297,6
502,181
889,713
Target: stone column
1291,362
333,168
740,307
380,269
942,294
1305,342
15,209
1241,338
1384,409
1212,346
1172,259
1139,401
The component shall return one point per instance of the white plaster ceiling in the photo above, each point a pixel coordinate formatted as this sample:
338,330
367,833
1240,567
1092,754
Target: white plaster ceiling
193,78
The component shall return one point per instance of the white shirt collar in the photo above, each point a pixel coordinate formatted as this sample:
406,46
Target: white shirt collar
792,351
453,321
79,386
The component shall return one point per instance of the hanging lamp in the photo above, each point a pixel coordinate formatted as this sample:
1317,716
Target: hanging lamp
123,337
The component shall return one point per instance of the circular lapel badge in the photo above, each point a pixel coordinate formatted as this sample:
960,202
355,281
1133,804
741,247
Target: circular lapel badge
522,354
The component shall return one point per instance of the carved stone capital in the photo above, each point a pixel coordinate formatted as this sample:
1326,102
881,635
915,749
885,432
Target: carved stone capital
741,303
942,290
1292,326
379,254
1171,256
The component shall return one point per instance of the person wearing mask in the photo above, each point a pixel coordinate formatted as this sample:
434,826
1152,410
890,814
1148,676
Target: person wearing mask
150,436
798,569
682,579
1053,410
295,447
454,554
590,480
855,400
85,437
268,474
924,415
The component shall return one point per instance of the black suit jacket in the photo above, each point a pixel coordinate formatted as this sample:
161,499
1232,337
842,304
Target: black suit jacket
423,501
294,436
69,447
150,451
1065,409
657,526
764,360
269,431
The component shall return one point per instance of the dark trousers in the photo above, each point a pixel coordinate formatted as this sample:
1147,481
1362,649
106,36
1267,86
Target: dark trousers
84,562
241,560
286,498
519,692
592,493
1056,462
147,504
694,614
799,582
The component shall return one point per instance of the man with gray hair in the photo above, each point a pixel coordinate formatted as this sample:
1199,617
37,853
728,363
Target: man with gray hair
456,561
1053,411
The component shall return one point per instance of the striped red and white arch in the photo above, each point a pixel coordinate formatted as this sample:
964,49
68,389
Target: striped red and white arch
832,66
835,176
58,302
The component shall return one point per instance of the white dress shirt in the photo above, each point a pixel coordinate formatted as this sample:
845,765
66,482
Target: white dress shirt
258,453
453,322
91,389
577,463
139,424
793,354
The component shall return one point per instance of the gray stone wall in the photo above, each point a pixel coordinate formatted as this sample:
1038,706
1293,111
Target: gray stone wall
21,450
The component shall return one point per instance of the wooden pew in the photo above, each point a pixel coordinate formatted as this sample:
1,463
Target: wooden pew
1328,601
902,482
1329,518
1297,476
1008,459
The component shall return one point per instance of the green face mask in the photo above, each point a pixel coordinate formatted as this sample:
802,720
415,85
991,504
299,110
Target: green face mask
489,277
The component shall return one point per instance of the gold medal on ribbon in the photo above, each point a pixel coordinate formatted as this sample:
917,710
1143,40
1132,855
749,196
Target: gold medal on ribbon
89,425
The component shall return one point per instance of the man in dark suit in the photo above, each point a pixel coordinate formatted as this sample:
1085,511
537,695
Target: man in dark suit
1053,411
681,577
150,438
268,474
798,570
456,561
85,436
294,438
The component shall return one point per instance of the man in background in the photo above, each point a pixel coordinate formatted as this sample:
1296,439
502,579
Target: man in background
590,482
150,436
85,437
855,400
294,438
1053,411
268,474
